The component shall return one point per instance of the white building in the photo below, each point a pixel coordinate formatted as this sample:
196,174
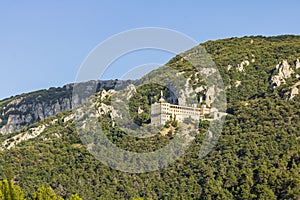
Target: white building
163,111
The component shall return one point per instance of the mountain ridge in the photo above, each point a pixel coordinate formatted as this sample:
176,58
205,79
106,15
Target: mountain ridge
24,110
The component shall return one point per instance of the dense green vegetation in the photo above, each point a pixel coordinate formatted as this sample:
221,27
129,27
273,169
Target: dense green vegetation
256,157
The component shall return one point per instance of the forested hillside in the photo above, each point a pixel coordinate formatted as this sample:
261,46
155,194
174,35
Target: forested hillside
257,155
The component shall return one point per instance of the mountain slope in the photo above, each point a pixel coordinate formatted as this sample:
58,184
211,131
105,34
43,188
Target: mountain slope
256,157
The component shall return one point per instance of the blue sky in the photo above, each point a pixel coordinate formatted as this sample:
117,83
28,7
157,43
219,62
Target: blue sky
43,43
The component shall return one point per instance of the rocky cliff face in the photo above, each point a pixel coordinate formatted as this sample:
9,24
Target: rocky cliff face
282,73
26,109
21,112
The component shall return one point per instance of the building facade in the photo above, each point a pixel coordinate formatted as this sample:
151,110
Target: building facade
163,111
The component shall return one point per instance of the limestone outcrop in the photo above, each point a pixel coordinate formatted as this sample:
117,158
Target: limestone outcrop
282,72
